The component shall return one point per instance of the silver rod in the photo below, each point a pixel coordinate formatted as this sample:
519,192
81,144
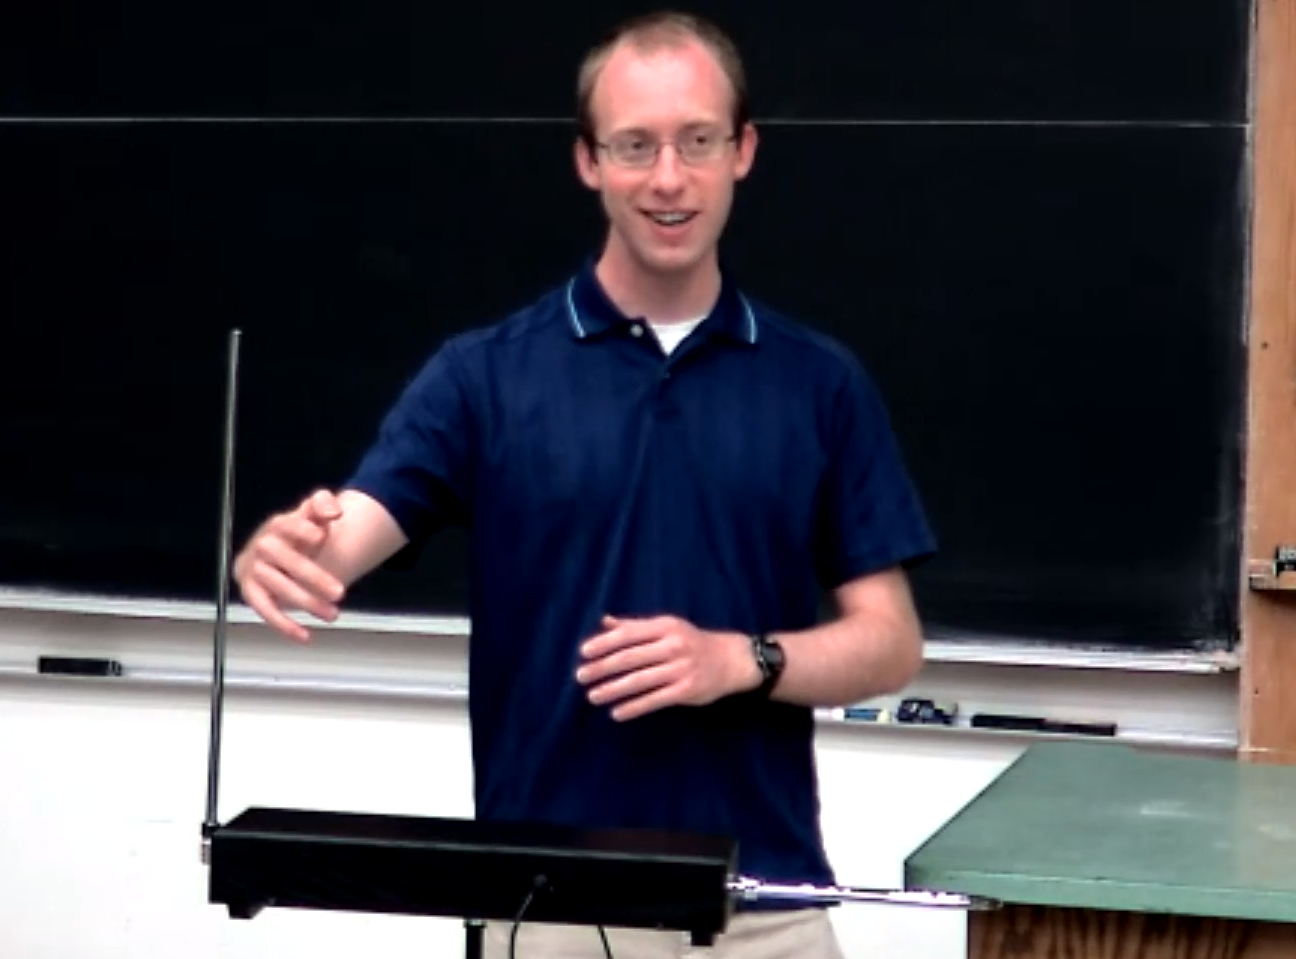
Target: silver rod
750,890
222,592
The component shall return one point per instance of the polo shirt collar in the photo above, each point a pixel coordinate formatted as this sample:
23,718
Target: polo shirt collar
590,312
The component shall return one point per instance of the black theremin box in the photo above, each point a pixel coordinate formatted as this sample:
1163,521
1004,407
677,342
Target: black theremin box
465,868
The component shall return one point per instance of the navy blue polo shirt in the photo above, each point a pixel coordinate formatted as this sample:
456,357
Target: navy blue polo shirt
726,484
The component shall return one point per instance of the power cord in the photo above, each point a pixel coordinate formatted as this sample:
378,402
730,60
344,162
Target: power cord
541,882
538,883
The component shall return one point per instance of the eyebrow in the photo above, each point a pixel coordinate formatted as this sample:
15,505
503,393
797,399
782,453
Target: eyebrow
687,127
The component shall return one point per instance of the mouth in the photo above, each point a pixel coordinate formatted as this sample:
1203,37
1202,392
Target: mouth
670,218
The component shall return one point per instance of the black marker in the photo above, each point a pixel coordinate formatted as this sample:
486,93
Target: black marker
78,666
1038,724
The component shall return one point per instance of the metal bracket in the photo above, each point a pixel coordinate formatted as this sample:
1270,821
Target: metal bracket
1276,574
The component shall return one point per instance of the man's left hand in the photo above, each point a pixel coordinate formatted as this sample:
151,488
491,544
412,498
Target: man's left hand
643,665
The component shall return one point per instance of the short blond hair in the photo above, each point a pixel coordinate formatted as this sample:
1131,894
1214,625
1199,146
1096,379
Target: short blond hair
651,32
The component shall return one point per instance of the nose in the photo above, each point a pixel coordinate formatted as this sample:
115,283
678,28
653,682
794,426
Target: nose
668,172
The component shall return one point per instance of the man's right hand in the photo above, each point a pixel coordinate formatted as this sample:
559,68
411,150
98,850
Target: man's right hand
277,569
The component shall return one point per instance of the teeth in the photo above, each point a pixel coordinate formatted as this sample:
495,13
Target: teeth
670,219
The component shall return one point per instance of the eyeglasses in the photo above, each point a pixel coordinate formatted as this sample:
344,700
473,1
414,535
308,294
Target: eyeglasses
640,151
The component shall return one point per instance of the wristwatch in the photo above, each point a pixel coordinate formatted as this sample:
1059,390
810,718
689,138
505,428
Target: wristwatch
770,659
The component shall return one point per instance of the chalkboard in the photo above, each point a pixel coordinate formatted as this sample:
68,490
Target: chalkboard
1029,222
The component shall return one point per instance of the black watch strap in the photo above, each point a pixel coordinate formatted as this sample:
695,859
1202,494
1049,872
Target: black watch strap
770,659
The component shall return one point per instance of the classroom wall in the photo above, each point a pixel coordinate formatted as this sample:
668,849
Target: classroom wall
103,782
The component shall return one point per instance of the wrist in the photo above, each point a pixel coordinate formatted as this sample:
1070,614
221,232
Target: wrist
770,661
745,672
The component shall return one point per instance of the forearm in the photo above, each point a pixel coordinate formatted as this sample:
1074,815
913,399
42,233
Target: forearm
853,658
357,535
640,665
850,659
362,538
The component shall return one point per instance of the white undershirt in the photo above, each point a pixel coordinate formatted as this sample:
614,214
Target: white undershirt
670,335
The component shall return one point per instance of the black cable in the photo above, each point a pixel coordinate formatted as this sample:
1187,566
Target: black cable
536,885
607,950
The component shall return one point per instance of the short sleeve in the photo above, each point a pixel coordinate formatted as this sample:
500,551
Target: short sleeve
420,463
870,516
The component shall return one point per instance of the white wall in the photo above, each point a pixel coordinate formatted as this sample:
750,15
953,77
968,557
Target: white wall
103,782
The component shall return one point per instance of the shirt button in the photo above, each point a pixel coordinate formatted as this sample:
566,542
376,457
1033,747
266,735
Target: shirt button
636,330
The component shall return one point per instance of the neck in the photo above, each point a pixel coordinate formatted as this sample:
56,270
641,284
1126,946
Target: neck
662,297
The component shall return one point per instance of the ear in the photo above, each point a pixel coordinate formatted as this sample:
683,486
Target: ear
587,167
745,155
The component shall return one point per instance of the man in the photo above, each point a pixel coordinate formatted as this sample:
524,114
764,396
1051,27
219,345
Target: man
661,475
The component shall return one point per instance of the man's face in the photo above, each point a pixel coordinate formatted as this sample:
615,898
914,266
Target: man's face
667,212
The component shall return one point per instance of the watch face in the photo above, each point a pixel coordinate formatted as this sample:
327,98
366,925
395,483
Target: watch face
771,657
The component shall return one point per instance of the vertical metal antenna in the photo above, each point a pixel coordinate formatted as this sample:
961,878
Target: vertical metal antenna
222,594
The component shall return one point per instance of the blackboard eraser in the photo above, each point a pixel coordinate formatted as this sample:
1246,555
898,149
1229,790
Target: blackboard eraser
1037,724
77,666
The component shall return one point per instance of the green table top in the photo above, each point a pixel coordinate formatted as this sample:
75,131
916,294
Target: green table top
1105,826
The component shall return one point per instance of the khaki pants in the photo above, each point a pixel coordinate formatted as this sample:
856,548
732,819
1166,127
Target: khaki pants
790,934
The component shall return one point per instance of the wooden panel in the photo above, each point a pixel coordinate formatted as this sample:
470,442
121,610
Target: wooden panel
1268,620
1040,932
